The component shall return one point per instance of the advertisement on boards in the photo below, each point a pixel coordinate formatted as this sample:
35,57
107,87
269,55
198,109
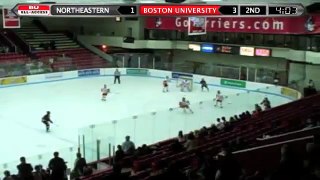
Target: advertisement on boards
263,52
224,49
207,48
247,51
194,47
89,72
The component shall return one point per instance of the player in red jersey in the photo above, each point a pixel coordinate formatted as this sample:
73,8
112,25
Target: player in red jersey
165,86
105,92
185,104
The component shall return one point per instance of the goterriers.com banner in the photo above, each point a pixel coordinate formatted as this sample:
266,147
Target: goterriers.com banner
10,20
267,25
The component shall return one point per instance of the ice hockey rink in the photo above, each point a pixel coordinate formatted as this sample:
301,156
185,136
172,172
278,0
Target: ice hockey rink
138,105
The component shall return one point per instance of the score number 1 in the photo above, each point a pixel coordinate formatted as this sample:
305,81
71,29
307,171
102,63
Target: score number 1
127,10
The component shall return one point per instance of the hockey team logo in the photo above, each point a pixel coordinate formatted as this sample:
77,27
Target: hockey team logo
310,25
10,20
158,22
34,10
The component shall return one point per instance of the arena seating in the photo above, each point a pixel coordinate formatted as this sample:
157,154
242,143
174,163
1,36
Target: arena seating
281,119
80,58
13,58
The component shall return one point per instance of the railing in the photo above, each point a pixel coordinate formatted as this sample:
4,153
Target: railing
19,41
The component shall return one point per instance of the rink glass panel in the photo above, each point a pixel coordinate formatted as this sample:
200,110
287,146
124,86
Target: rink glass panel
152,127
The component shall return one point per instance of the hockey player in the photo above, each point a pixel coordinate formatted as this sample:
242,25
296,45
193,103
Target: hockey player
47,120
184,104
105,92
218,99
204,84
185,85
165,86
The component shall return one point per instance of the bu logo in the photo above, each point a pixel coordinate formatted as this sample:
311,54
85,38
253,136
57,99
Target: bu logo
33,7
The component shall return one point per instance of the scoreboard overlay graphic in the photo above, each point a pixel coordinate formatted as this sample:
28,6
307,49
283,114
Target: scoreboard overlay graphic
77,10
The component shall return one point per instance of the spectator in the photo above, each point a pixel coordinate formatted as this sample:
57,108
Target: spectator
58,167
204,131
248,115
174,173
213,129
116,174
25,170
312,157
311,84
145,149
7,176
266,103
290,167
128,146
79,164
236,117
39,173
228,166
138,152
181,137
232,119
191,142
197,168
220,124
176,147
117,75
257,108
119,155
309,124
87,171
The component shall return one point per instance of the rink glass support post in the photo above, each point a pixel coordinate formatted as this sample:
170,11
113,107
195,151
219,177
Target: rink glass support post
84,145
110,159
113,153
139,63
123,59
255,75
79,144
98,149
153,62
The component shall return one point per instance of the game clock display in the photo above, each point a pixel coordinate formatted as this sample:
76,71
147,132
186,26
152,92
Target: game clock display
283,10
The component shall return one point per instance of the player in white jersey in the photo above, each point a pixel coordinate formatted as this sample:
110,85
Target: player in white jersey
104,92
185,104
218,99
185,84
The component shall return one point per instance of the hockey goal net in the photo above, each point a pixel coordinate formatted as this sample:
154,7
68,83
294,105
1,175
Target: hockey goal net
182,79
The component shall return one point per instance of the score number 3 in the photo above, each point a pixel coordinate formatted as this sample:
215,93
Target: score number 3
234,10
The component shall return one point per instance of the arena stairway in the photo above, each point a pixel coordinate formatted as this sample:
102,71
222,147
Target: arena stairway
34,36
281,119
